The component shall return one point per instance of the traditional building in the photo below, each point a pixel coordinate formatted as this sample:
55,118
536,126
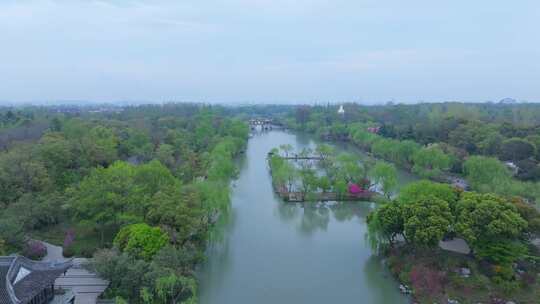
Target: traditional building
23,281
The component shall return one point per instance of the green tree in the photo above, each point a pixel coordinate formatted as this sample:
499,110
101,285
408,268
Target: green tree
405,152
181,212
141,240
221,160
348,168
103,196
430,162
385,175
165,154
308,180
12,232
126,274
100,146
58,157
491,144
136,143
21,172
487,218
324,183
385,224
3,247
535,140
340,187
502,252
425,189
325,151
286,148
117,195
516,149
426,221
486,174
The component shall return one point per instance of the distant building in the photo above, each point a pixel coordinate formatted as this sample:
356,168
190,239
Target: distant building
508,100
23,281
341,111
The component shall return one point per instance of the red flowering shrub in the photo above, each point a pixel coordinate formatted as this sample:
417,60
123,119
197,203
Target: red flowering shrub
425,281
34,250
528,279
67,249
69,238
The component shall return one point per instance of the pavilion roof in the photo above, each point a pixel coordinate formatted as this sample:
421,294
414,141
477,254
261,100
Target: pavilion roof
22,279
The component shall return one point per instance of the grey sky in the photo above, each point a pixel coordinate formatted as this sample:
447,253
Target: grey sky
269,50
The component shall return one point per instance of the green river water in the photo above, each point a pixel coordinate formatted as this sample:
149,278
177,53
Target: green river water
276,252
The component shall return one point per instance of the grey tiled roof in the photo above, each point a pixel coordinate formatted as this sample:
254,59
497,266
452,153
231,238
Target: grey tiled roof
42,275
5,263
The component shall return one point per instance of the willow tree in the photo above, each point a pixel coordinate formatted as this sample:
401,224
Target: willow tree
385,175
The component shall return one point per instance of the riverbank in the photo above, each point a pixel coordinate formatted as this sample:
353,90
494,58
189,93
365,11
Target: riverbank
501,265
441,276
436,161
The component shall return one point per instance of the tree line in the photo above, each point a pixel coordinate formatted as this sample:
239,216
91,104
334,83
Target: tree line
437,157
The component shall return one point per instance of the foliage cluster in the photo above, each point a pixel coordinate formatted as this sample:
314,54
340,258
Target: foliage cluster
425,213
437,140
332,172
155,176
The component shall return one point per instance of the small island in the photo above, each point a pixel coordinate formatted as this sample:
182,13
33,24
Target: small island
323,175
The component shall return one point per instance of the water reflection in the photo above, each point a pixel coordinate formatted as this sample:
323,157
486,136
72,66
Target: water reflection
287,212
311,217
314,219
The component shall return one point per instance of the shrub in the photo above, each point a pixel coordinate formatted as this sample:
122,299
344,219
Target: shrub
528,279
69,238
2,247
67,248
34,250
87,251
68,252
141,240
426,281
503,273
508,287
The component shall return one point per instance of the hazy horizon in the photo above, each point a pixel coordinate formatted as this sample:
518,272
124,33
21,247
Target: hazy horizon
271,52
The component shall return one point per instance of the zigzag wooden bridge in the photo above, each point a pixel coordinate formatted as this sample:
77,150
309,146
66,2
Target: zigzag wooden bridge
299,157
300,197
304,158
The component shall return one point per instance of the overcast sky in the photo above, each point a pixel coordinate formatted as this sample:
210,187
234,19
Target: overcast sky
269,50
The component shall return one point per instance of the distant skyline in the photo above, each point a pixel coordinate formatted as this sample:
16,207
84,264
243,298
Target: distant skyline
269,51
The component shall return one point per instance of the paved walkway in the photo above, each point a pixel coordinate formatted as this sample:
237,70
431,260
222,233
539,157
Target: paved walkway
86,285
54,253
456,245
536,242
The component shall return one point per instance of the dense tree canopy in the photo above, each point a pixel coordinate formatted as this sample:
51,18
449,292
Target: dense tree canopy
159,174
426,221
486,217
516,149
